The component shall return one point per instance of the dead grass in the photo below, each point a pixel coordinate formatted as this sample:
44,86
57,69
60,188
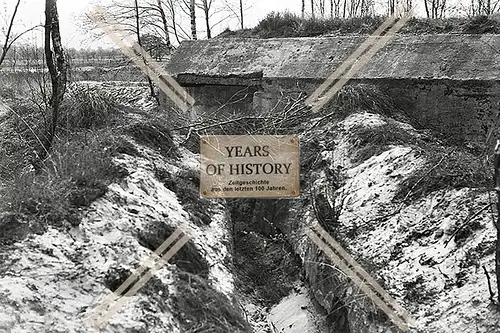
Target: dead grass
154,134
373,140
286,24
363,97
97,73
448,167
77,173
86,107
201,308
186,186
79,167
93,129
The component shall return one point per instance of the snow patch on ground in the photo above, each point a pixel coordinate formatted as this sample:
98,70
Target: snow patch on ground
296,314
52,282
426,253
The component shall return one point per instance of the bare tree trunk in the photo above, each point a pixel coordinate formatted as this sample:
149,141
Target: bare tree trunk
174,21
6,45
57,66
206,10
337,8
497,188
241,14
322,8
331,8
165,24
391,7
303,9
312,8
442,8
193,19
427,8
139,41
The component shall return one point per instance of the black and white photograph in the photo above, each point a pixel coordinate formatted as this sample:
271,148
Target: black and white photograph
249,166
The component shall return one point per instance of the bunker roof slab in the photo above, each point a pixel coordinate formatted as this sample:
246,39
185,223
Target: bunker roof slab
455,57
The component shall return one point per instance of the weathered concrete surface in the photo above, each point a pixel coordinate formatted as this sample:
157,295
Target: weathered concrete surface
447,83
456,57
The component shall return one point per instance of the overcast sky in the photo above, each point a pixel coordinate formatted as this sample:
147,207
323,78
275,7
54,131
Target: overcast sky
32,12
70,11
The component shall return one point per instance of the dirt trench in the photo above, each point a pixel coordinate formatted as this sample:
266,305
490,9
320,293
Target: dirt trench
270,277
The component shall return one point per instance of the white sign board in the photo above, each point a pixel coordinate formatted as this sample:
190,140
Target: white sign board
250,166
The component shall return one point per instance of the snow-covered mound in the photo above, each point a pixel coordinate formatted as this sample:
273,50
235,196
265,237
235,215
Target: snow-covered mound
52,282
429,251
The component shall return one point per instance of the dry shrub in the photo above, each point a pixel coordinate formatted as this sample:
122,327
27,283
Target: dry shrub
277,24
76,173
155,135
368,97
287,116
446,168
372,141
201,308
482,25
285,24
86,107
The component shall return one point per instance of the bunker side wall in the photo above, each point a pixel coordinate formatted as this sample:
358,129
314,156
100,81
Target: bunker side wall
459,110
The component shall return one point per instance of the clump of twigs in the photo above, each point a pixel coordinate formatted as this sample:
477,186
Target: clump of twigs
287,115
154,134
445,167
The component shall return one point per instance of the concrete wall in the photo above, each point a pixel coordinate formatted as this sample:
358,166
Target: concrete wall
459,110
216,101
455,57
449,83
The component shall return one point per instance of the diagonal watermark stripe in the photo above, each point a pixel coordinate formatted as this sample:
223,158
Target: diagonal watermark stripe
399,316
143,60
150,266
356,61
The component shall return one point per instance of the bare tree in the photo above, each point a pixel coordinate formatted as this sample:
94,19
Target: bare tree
303,10
192,11
497,188
391,6
10,38
312,8
435,8
241,14
321,5
483,7
163,15
58,69
173,17
137,17
206,10
237,11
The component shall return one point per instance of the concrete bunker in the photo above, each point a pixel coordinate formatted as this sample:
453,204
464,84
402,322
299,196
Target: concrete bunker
449,83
